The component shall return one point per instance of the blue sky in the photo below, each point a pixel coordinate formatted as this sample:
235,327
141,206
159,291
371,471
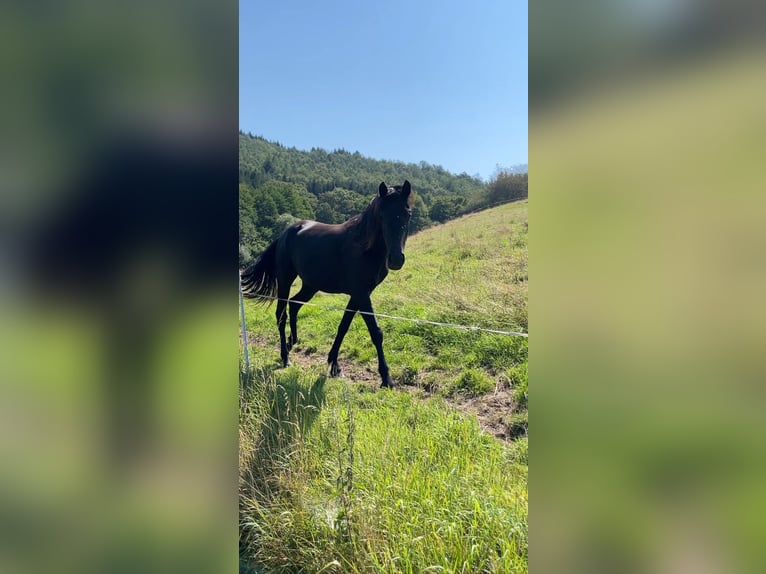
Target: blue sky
442,82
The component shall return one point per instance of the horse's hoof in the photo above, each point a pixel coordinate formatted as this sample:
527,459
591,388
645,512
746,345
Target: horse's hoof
387,384
335,370
286,363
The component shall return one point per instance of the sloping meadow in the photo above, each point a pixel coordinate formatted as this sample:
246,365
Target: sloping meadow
337,475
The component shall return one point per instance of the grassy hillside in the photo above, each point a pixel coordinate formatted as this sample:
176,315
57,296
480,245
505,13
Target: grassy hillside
341,475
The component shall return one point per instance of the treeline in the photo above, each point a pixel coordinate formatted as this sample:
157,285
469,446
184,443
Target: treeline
279,185
505,186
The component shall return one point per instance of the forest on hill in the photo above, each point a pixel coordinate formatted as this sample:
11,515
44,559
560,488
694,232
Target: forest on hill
278,185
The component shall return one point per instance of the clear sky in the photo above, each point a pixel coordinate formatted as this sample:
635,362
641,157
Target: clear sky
412,80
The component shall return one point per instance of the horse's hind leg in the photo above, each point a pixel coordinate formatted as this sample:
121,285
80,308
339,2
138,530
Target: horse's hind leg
296,302
283,292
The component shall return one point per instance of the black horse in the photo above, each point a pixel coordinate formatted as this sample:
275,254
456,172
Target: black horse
352,258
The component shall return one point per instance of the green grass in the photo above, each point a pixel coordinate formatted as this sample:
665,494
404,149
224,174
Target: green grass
340,476
472,271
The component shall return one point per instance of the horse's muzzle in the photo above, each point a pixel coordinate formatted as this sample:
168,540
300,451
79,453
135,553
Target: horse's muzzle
396,262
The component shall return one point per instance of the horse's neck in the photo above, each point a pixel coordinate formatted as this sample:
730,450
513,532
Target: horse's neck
377,245
368,231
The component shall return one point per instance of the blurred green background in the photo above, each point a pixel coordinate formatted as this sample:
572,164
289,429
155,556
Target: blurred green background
647,323
118,253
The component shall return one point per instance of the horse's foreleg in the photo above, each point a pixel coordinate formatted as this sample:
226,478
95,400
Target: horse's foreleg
376,334
345,322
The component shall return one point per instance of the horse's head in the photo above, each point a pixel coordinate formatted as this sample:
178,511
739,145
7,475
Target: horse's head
395,210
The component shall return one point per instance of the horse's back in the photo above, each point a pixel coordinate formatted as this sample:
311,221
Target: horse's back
314,250
305,233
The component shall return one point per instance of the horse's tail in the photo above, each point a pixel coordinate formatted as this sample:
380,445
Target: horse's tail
259,281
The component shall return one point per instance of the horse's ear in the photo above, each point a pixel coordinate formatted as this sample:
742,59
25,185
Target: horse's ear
406,189
383,189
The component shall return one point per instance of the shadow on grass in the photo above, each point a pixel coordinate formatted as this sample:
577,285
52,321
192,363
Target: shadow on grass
278,407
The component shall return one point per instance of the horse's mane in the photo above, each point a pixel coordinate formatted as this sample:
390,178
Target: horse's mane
366,225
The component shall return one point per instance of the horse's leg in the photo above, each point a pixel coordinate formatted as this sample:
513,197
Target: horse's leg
296,302
376,334
283,292
332,358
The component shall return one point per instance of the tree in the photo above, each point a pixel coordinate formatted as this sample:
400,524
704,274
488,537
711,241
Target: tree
419,219
245,256
446,207
340,204
506,187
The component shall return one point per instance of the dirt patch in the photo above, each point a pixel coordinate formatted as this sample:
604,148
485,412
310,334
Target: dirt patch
494,411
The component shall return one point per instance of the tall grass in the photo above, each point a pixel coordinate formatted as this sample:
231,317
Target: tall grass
336,478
